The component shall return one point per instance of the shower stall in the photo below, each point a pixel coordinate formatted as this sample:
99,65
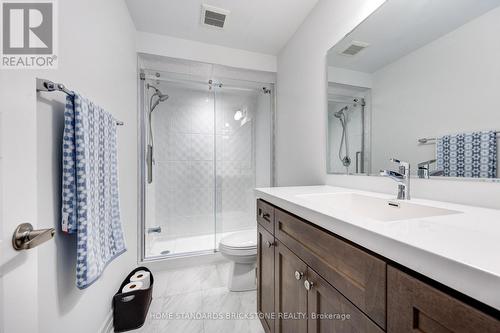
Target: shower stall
205,144
349,137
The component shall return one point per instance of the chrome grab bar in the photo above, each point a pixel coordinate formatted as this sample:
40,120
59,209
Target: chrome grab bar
360,162
25,237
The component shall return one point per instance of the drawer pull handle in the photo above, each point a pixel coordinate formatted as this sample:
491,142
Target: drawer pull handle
308,285
270,244
298,275
265,216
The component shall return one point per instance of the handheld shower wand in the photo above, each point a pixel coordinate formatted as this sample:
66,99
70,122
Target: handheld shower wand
160,97
341,116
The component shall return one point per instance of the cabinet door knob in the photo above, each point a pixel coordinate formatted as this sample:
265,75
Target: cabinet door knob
298,275
308,285
270,244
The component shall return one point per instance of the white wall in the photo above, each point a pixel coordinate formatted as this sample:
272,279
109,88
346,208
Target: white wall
448,86
349,77
191,50
97,58
301,90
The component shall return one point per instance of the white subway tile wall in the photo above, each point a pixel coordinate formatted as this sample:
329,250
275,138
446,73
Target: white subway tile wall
203,179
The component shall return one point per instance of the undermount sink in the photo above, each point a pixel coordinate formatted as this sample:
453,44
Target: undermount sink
373,207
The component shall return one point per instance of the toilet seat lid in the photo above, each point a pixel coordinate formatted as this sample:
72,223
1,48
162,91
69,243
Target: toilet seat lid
241,239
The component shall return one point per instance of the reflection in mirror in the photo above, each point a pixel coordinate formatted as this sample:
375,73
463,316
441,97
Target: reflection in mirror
429,75
347,123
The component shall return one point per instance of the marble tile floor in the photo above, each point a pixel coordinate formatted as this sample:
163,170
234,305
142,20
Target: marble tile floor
183,300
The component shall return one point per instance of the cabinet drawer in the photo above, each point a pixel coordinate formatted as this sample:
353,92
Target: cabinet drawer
265,215
359,276
414,306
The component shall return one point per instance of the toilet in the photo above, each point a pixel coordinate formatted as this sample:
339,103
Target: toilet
241,248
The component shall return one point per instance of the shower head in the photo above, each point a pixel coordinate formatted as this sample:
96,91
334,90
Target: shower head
161,97
340,112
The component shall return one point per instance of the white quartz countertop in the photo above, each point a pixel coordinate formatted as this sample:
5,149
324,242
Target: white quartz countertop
460,250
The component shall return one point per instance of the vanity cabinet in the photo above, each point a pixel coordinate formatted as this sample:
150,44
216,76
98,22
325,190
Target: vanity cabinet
305,272
310,269
414,306
265,278
290,293
322,298
358,275
265,215
302,294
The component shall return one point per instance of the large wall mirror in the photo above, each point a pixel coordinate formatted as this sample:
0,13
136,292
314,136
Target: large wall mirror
418,81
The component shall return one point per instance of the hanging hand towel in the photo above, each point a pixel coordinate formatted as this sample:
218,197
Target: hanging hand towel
468,155
90,200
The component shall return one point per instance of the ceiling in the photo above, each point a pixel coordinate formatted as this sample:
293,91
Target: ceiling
262,26
401,26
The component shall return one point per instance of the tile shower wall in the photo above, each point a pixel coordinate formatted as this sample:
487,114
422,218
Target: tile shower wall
235,160
187,189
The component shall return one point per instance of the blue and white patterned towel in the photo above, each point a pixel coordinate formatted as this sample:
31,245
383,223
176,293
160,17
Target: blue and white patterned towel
90,200
468,154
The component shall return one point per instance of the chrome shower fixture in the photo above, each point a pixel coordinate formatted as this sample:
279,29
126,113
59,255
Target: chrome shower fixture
341,115
160,97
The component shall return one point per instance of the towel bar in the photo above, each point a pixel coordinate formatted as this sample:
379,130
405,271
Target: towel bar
427,140
47,85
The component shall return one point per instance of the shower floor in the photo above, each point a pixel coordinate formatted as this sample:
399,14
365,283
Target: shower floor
160,245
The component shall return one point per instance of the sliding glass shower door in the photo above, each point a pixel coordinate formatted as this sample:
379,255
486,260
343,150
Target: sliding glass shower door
243,152
207,141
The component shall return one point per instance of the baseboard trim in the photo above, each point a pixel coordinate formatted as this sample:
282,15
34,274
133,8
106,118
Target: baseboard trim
107,325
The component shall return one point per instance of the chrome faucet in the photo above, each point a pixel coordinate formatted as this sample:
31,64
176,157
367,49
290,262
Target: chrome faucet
402,178
424,170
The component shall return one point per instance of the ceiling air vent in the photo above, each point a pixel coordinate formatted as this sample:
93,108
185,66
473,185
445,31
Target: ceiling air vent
213,16
354,48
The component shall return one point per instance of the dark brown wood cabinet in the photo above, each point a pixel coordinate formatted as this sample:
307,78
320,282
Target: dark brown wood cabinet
290,293
265,215
339,315
310,279
265,278
355,273
414,306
